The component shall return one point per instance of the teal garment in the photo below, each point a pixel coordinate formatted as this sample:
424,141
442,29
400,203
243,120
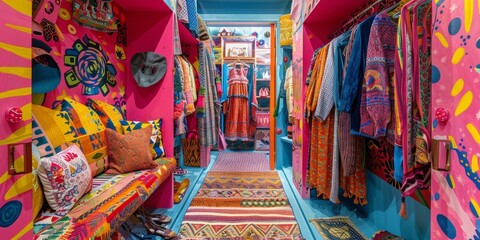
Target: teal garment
192,16
224,83
339,65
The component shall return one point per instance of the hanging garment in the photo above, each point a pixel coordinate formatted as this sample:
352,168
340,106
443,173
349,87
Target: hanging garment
182,11
376,105
177,45
188,85
237,123
314,84
179,100
321,143
192,16
413,94
350,147
339,65
352,87
289,91
325,99
207,107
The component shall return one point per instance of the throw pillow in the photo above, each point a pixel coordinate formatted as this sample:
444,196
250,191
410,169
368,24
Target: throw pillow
109,114
65,177
156,142
129,152
89,134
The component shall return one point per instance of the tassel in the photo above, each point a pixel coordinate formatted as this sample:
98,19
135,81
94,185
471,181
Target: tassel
403,209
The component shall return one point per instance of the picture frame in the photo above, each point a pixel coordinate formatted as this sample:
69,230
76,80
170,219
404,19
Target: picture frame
238,47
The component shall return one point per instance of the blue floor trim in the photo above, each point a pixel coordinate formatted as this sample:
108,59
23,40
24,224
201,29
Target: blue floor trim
302,221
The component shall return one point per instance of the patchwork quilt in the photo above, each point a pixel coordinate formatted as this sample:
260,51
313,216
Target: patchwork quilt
100,212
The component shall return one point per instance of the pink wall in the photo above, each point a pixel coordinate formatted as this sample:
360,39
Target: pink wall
110,55
15,68
152,31
456,88
301,130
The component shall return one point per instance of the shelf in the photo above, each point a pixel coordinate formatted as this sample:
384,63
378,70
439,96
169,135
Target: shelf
329,15
186,37
286,139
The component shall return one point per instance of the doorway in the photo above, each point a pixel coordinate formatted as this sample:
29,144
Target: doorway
245,56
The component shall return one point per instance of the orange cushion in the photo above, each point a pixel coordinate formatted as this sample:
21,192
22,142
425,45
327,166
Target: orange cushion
129,152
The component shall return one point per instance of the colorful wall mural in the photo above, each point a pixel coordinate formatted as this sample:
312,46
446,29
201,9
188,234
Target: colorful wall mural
15,74
456,89
92,63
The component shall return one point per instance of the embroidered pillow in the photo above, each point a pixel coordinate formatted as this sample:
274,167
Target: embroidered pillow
109,114
156,142
129,152
65,177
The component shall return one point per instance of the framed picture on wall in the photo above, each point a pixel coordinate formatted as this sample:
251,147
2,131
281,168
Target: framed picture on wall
238,47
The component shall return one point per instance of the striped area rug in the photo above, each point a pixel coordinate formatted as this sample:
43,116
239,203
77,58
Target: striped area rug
240,205
241,162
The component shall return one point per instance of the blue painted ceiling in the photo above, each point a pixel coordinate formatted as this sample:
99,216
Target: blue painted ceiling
240,7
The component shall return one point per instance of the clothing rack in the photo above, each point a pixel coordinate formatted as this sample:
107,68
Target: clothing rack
360,15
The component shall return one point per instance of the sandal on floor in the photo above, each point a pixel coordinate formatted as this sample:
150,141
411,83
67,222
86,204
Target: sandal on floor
155,217
180,171
159,230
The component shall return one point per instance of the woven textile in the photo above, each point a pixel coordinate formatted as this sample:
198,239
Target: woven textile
337,228
240,206
247,162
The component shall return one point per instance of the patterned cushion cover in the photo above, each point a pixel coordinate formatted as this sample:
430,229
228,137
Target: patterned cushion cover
101,211
89,134
129,152
156,138
109,114
65,177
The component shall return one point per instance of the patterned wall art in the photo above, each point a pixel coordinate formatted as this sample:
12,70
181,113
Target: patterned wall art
456,91
90,67
92,63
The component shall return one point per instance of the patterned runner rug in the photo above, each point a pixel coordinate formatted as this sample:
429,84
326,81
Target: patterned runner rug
240,205
241,162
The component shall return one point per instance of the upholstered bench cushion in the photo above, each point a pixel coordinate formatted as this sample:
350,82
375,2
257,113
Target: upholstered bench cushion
112,200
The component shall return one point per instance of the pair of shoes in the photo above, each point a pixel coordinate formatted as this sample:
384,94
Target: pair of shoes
264,92
156,229
157,218
180,171
180,188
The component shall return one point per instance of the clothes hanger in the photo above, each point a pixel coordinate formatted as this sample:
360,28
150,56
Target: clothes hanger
238,61
395,12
